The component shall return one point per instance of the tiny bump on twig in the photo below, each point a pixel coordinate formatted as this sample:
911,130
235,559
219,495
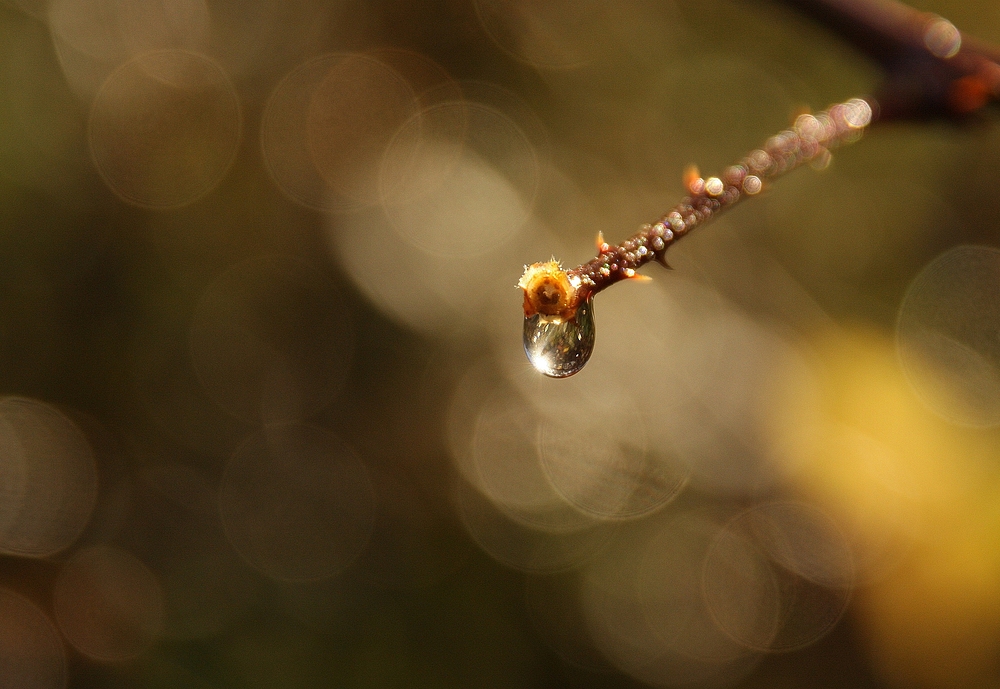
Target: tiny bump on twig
551,291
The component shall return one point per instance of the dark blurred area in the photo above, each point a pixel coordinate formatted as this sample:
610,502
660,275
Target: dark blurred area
266,420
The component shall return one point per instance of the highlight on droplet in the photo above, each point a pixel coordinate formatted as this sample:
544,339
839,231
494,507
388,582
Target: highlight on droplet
559,346
942,38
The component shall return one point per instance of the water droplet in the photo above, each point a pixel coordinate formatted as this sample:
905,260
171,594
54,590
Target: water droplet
560,347
942,38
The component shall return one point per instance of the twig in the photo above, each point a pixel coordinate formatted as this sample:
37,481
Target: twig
931,70
551,291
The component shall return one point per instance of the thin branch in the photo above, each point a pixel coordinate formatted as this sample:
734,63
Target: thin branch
553,292
931,70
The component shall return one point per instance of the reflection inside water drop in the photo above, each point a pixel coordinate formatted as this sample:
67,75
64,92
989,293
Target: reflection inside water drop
560,347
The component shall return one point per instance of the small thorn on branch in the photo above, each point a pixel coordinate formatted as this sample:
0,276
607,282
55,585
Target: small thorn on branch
811,138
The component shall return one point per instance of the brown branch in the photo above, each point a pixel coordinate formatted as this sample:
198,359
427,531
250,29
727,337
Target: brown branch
553,292
931,69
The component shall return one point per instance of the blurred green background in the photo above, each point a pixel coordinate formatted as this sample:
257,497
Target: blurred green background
266,417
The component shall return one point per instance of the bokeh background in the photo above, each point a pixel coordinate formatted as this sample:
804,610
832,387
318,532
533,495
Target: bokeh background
266,421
